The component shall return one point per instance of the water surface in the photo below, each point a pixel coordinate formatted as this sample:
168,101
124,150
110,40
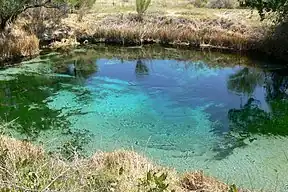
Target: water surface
224,114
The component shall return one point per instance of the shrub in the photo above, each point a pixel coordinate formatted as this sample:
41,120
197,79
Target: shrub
16,45
84,7
218,4
11,9
154,181
198,3
141,7
41,21
264,7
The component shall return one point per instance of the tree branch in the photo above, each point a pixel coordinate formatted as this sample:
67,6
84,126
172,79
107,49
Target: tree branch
44,4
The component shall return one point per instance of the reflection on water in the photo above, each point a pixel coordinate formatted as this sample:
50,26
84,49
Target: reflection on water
191,110
141,68
245,81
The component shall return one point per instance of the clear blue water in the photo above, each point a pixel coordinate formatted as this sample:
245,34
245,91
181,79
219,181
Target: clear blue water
224,114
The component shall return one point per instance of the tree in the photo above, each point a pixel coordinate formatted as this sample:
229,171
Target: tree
264,7
11,9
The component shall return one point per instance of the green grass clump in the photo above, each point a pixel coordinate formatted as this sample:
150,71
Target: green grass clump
142,6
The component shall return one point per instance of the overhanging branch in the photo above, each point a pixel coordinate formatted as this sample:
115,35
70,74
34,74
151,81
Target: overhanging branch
46,4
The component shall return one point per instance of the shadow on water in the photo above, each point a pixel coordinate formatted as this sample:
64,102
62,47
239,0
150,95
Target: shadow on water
24,100
250,119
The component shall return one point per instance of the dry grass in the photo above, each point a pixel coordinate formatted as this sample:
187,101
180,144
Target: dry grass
167,22
196,181
25,167
115,21
17,44
64,43
221,33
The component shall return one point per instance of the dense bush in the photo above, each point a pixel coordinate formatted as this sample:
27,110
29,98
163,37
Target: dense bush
280,7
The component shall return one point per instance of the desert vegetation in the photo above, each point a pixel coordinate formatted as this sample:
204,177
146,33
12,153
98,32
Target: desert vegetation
23,23
18,44
27,26
276,41
141,7
218,24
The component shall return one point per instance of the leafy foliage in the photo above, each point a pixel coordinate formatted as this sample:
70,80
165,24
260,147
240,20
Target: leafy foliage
154,183
233,188
11,9
280,7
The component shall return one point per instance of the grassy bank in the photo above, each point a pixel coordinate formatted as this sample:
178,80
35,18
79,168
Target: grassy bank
177,23
25,167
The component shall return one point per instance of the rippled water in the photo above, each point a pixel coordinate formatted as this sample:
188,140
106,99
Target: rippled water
224,114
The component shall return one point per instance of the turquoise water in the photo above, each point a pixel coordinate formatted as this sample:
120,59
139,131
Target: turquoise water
224,114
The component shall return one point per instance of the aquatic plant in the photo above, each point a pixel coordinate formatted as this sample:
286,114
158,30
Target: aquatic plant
30,130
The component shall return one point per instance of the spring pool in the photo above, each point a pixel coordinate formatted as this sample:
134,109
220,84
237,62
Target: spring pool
221,113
